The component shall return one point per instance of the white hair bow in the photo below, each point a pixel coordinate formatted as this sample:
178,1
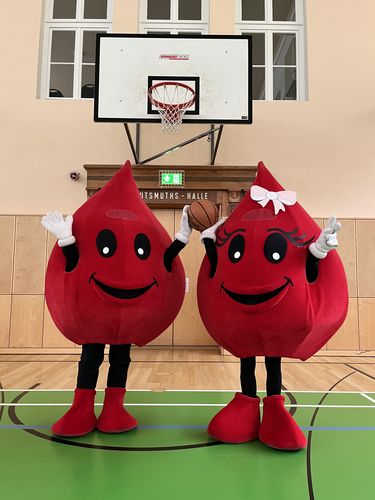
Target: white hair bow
279,198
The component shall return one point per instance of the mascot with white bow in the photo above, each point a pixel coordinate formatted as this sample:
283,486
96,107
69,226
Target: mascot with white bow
273,285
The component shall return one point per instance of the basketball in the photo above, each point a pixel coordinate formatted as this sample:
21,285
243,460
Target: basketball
203,214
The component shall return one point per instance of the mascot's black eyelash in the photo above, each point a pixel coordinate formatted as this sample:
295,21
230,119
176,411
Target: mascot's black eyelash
220,240
296,240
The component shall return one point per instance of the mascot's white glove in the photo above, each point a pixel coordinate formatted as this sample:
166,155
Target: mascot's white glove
327,239
55,223
210,231
185,230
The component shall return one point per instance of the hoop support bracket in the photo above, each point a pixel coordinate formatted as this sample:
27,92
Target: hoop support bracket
209,133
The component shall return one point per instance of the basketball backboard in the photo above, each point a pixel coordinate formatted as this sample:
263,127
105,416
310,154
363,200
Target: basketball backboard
217,68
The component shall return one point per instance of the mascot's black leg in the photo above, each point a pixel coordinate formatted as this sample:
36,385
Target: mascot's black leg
248,380
119,361
88,368
114,417
80,419
273,367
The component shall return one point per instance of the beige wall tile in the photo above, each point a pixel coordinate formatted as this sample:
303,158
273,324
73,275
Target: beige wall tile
188,326
51,241
7,229
319,222
347,338
166,218
366,257
5,307
367,323
348,254
166,338
26,321
52,337
30,256
30,324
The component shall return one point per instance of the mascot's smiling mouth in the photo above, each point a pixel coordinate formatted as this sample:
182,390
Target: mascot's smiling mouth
120,293
252,300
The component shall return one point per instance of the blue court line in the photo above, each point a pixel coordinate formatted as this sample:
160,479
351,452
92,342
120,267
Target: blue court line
169,427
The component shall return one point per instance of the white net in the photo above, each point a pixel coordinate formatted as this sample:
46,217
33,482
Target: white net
171,99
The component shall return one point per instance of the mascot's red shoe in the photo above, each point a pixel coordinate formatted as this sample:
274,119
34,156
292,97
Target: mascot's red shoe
278,428
114,418
80,419
238,422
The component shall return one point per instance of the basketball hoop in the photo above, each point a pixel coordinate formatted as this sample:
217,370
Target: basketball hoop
171,99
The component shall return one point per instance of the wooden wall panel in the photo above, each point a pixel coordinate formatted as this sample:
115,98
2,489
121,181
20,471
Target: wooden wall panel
7,230
367,323
5,307
26,325
366,257
320,223
166,218
51,241
347,252
188,326
30,256
24,321
51,335
347,338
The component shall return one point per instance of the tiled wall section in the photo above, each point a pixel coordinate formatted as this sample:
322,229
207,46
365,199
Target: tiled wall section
26,323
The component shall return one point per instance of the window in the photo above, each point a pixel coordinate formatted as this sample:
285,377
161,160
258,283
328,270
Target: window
174,16
278,32
69,40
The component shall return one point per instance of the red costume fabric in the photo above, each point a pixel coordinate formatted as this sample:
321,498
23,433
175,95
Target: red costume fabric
120,291
114,418
238,422
278,428
80,419
259,302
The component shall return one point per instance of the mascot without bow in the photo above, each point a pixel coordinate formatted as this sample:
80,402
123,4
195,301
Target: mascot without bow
114,277
270,285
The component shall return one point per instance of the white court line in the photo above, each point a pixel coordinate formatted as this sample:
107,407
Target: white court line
188,405
189,390
368,397
259,390
72,390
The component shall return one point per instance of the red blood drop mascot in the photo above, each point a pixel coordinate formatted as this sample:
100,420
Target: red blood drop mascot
270,285
114,278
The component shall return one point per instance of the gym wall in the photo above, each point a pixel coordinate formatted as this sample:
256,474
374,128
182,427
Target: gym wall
323,148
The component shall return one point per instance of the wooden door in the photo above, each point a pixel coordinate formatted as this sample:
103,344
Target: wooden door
187,328
166,218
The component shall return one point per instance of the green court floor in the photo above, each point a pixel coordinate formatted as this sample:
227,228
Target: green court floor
170,456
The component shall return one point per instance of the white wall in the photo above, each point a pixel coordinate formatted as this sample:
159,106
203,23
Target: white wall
323,148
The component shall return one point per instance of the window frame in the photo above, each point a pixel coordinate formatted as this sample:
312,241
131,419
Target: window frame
268,27
173,24
163,27
78,25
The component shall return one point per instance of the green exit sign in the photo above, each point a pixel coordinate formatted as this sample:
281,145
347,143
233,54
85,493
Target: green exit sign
171,178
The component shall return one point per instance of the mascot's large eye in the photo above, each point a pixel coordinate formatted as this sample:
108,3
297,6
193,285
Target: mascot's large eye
236,248
142,246
106,243
275,248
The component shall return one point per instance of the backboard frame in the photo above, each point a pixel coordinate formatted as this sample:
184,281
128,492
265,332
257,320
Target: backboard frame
189,115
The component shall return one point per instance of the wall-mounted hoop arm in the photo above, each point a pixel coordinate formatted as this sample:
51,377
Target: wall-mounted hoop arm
210,133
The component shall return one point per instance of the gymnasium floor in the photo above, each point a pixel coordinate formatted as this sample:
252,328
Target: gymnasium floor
170,455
